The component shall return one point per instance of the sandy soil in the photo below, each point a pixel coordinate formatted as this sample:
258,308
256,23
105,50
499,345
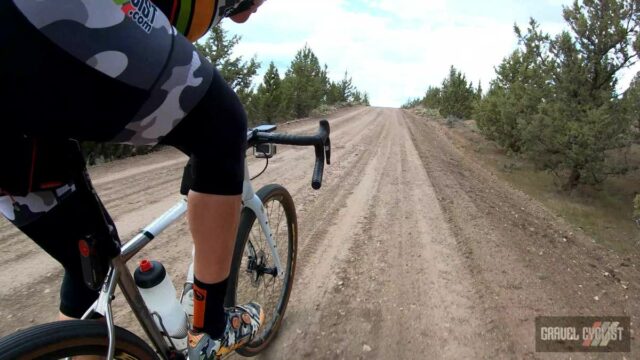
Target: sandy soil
409,251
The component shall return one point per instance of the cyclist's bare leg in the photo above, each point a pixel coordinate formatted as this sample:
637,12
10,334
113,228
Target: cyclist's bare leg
213,220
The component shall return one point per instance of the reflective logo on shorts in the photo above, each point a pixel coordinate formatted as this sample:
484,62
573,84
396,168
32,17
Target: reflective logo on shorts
142,12
199,294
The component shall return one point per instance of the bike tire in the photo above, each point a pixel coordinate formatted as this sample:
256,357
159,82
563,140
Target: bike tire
249,244
64,339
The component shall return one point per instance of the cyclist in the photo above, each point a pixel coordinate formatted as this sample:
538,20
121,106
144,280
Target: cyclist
117,70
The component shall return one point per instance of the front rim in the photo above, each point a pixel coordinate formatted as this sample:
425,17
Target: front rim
257,277
73,338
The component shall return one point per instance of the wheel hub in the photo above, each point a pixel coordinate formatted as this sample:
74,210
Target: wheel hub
258,267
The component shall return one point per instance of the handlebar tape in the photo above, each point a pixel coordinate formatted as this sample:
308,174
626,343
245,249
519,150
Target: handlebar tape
320,142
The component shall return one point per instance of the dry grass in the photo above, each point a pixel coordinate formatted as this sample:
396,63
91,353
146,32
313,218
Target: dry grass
605,212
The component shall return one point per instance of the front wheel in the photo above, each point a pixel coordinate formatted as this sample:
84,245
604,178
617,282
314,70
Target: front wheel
253,271
66,339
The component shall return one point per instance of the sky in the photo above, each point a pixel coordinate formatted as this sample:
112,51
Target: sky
395,49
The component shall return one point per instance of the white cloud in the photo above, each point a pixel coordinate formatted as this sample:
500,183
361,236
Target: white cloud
394,49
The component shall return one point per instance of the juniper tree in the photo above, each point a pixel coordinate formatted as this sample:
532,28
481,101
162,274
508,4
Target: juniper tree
304,83
583,118
456,96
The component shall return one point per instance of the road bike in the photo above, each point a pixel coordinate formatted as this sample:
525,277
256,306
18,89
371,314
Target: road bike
262,270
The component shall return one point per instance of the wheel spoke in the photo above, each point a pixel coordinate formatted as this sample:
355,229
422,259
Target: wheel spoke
261,284
277,226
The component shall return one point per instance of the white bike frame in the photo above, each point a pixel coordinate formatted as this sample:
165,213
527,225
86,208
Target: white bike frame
249,200
120,274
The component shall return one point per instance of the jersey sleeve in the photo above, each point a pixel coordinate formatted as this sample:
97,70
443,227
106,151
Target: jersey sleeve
193,18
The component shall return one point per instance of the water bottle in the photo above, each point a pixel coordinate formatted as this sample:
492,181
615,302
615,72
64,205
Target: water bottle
159,295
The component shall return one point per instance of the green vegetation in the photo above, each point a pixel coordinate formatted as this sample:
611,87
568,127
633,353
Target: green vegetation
269,99
432,98
304,88
556,121
455,99
95,153
631,104
604,212
519,88
238,73
554,99
305,83
456,96
412,103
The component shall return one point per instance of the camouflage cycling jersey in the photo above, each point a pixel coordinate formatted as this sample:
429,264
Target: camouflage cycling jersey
104,70
133,42
141,50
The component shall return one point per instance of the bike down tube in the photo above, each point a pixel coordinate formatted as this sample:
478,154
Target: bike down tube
253,202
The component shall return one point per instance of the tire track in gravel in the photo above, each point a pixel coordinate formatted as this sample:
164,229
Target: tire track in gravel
524,261
410,250
327,236
390,271
292,167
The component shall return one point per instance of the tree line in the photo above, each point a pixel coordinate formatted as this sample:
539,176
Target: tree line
554,98
304,88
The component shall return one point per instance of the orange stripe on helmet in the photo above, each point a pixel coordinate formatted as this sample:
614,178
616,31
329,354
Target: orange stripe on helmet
203,13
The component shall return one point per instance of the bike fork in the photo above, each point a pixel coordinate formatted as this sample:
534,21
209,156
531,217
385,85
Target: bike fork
255,204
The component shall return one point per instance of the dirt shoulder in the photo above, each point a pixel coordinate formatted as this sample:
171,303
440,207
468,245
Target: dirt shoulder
525,259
